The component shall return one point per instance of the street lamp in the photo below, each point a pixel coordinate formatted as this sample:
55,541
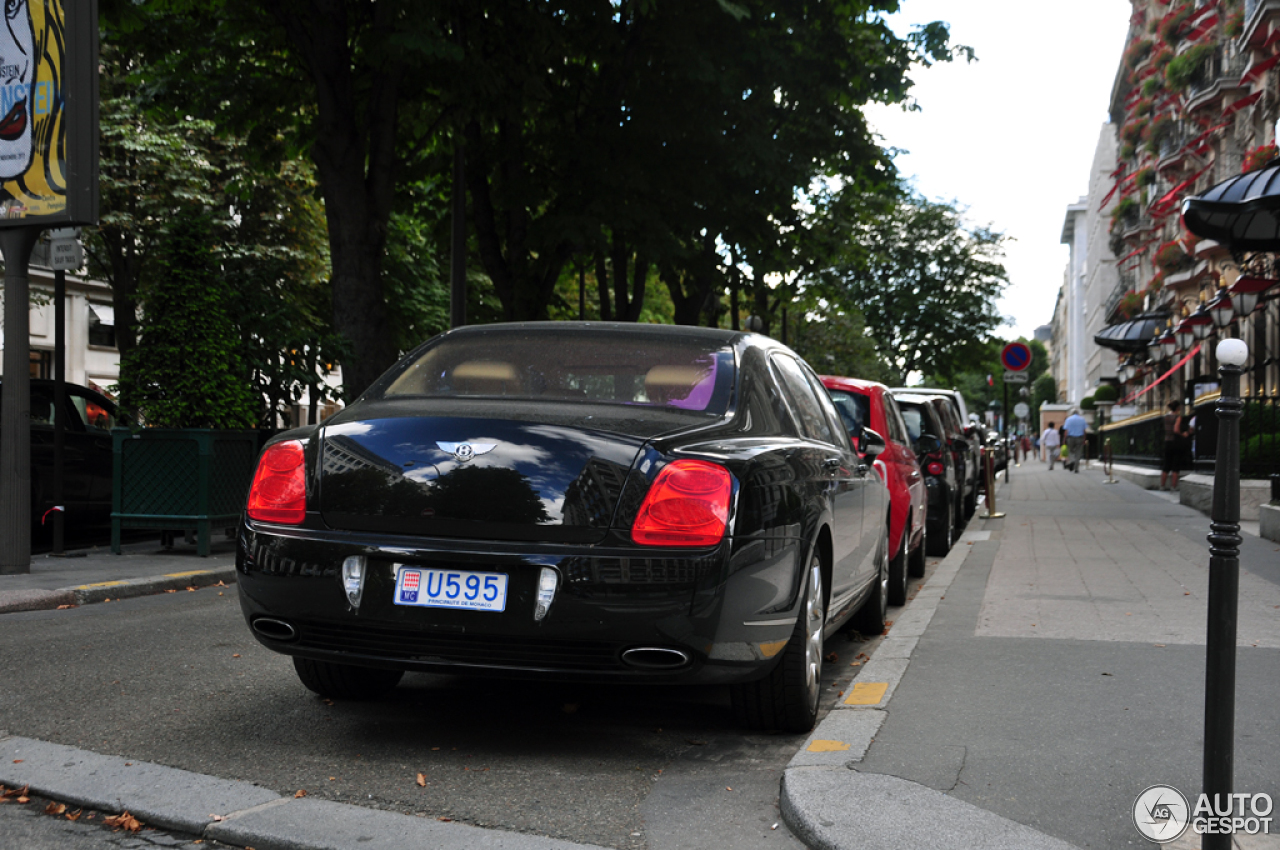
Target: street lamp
1247,291
1224,588
1222,309
1168,344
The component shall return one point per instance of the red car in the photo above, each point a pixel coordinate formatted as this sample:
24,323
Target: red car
867,404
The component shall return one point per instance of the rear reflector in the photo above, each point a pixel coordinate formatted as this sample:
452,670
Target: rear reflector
687,505
935,468
279,491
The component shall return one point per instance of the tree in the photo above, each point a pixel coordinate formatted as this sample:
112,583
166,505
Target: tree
1044,391
186,370
632,130
927,283
837,344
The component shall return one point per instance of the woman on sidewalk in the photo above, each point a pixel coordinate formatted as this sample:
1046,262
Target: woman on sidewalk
1051,443
1177,444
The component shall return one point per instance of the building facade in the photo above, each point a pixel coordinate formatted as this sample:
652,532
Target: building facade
1195,102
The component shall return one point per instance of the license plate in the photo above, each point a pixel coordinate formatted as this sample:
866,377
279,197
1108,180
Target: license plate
431,588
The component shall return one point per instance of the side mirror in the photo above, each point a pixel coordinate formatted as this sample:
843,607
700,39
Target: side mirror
872,443
928,443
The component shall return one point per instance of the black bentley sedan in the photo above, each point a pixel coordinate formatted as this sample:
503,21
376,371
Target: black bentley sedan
610,502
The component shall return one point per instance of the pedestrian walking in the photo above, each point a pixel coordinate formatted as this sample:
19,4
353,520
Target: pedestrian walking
1177,445
1075,427
1051,442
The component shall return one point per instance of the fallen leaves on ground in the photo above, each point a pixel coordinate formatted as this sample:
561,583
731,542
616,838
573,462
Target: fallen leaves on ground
74,816
54,808
65,607
422,780
124,821
301,792
832,657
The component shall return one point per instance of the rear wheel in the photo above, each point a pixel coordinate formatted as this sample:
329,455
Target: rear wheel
940,543
870,617
345,681
915,561
787,699
898,572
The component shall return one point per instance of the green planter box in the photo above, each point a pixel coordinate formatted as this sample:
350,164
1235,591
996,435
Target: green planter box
180,479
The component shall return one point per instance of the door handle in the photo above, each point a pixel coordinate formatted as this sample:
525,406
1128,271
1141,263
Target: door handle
863,469
831,463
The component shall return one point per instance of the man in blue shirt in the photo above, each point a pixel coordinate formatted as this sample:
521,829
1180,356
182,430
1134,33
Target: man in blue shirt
1075,426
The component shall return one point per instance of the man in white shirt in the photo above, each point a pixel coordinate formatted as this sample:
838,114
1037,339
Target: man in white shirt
1051,443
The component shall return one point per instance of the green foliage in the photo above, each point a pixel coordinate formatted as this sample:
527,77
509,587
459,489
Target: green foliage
1182,69
926,281
186,371
1088,403
1106,392
1044,391
837,344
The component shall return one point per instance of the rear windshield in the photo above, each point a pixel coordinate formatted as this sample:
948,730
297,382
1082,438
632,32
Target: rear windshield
855,409
676,374
914,419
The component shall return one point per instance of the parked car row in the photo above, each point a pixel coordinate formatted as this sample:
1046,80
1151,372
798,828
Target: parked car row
88,419
603,502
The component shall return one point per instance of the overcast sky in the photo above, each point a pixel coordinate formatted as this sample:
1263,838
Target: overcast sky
1011,136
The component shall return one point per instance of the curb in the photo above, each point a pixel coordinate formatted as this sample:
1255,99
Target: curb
823,776
85,594
232,812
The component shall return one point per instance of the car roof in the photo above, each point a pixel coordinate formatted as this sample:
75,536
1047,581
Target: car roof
850,383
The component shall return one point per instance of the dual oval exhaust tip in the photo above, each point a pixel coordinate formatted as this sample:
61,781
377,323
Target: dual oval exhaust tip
640,657
655,658
274,629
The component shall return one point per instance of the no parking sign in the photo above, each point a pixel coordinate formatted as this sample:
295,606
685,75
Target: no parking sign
1016,356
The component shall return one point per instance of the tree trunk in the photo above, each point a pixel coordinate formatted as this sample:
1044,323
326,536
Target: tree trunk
354,155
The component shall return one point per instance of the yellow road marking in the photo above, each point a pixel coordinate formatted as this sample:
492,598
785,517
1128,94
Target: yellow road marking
188,573
828,747
867,693
768,650
100,584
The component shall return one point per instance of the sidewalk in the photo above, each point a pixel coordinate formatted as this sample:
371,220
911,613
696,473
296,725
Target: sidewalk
1044,674
96,574
1049,671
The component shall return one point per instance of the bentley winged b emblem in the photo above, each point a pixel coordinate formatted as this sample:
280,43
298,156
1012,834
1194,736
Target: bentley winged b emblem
466,451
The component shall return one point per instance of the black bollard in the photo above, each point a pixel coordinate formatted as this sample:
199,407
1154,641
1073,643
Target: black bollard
1224,591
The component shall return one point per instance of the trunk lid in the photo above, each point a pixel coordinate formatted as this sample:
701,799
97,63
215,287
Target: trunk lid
482,478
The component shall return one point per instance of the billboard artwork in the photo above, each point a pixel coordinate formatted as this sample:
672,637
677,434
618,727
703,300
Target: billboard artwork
48,111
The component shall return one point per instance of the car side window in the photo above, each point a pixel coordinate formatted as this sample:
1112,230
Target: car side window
893,416
813,419
834,420
94,416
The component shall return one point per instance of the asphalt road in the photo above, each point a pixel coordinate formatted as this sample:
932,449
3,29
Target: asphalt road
177,679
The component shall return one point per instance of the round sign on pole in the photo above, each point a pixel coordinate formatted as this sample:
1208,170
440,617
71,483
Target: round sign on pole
1021,410
1016,356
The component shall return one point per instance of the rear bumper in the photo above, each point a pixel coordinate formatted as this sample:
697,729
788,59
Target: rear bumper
714,616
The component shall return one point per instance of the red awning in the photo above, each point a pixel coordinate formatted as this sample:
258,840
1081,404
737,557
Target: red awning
1149,387
1203,27
1257,71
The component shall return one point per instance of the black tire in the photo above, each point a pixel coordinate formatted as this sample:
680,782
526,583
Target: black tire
869,619
940,543
915,561
971,501
345,681
786,700
898,572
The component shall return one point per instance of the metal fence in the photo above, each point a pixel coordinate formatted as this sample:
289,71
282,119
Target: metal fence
1140,440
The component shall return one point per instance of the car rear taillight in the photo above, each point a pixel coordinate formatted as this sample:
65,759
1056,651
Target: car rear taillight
279,491
935,468
687,505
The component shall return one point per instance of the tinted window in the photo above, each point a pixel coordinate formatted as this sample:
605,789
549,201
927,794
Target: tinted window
95,415
677,373
807,407
917,422
854,409
828,408
893,416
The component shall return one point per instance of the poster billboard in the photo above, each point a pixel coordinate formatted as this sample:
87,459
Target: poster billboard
49,113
